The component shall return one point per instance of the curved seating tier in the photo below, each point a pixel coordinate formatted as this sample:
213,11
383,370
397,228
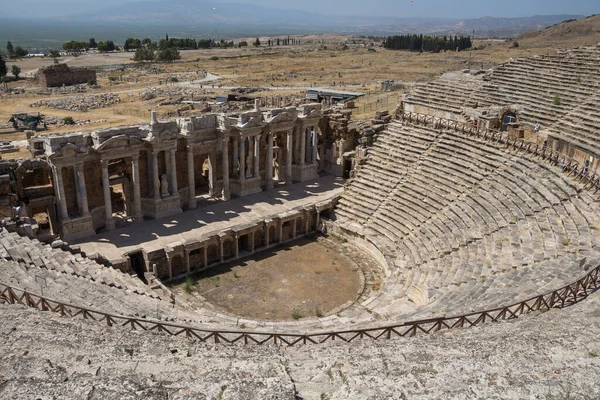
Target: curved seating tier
470,226
560,91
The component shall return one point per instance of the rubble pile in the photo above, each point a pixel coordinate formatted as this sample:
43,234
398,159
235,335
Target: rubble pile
60,121
186,93
82,88
80,103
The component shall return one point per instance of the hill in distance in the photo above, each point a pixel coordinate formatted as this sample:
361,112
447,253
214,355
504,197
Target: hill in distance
584,31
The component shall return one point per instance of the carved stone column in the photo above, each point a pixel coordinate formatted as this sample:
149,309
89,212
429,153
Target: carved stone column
226,195
315,138
191,178
174,188
257,156
110,222
288,173
294,221
83,200
236,157
60,189
155,177
303,147
212,171
242,159
137,198
269,171
250,159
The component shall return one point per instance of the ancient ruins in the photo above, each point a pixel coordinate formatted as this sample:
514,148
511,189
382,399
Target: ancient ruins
63,75
477,200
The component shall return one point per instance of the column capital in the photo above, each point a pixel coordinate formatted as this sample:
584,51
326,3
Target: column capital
104,163
135,157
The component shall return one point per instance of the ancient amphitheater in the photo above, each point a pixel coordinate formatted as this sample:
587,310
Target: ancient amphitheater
485,233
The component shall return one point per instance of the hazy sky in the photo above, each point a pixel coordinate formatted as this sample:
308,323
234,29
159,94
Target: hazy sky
399,8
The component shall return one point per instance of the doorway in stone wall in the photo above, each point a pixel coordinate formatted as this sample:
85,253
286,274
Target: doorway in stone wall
138,264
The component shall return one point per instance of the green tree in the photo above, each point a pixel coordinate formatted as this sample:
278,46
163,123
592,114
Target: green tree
92,44
2,67
54,53
256,42
9,48
143,54
16,71
168,54
20,52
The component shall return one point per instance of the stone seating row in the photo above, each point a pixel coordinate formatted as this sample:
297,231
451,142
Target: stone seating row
33,252
468,238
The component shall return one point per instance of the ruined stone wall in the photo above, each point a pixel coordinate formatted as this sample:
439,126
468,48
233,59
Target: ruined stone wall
61,74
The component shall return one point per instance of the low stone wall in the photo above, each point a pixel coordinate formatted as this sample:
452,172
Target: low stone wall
178,259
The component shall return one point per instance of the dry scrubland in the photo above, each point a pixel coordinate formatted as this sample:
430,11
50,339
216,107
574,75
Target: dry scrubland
317,64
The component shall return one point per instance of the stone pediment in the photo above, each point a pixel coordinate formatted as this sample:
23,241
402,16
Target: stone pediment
119,142
69,150
250,123
163,132
282,118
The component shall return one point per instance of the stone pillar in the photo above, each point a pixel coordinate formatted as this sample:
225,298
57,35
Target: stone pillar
236,157
250,159
191,178
77,194
60,191
307,221
83,200
226,195
288,173
221,250
303,147
137,198
212,170
267,239
186,260
205,256
269,171
294,221
174,188
110,222
251,241
236,238
280,231
257,156
315,140
149,171
155,177
317,219
242,159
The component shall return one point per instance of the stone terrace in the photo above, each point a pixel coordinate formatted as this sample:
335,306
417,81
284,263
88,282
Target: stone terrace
222,215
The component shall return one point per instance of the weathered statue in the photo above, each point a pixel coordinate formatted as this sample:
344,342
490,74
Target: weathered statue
164,185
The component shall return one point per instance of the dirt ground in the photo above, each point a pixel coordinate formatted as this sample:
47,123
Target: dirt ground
307,279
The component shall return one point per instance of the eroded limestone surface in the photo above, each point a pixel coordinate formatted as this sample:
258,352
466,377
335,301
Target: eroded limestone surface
538,356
